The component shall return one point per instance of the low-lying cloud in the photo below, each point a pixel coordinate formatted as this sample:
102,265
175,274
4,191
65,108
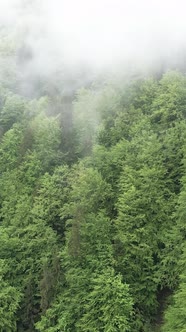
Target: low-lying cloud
96,33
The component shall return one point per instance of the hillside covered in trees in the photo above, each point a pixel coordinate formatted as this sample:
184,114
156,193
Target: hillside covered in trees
92,207
92,166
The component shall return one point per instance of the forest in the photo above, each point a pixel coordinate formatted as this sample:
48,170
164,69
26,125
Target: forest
92,198
92,208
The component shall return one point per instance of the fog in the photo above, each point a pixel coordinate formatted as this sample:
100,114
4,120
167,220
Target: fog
94,35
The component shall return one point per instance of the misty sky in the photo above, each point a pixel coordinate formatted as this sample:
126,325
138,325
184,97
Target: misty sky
96,32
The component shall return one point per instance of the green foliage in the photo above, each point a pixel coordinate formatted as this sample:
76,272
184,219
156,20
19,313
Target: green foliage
85,120
175,316
46,140
88,244
93,297
169,104
13,111
10,148
108,306
53,194
9,302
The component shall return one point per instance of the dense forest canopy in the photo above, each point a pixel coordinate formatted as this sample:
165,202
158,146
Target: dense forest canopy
92,195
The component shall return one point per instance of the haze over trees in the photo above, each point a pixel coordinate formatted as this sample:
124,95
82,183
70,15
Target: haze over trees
92,193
